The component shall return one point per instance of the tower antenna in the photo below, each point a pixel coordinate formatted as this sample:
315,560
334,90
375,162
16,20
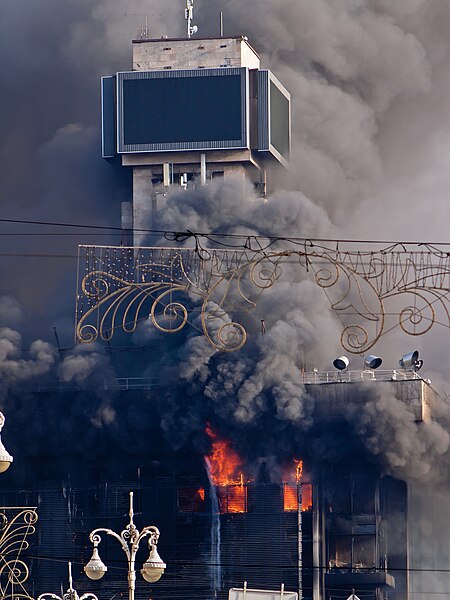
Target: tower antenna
144,29
189,15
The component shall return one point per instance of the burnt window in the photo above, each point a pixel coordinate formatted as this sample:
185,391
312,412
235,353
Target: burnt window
352,496
364,552
340,552
232,498
191,499
355,553
363,496
340,497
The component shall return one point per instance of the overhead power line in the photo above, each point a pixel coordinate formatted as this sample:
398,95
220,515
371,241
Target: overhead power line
117,564
184,235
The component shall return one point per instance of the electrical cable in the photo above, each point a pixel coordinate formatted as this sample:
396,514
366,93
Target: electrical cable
179,236
232,565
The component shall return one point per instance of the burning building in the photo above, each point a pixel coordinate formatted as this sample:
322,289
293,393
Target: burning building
324,525
298,479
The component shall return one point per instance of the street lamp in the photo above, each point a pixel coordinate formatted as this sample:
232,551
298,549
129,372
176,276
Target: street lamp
71,594
129,539
5,458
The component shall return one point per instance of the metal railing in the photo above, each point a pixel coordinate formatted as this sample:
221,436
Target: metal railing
132,383
116,383
311,377
358,376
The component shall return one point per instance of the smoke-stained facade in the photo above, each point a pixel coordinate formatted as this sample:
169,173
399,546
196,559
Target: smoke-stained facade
225,517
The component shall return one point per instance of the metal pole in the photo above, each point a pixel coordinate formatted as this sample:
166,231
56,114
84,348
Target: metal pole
317,580
70,575
203,170
129,540
131,556
71,594
300,537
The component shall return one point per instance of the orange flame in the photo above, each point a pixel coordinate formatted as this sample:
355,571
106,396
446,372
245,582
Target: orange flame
291,490
290,499
224,461
201,494
224,464
307,497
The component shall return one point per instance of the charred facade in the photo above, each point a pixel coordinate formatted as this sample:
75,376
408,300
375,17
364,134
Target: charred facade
351,533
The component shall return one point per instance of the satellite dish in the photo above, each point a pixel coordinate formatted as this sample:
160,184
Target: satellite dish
340,363
372,362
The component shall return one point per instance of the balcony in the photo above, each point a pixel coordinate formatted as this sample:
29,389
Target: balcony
358,578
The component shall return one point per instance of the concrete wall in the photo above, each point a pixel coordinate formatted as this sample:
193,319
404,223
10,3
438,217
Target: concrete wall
156,55
332,399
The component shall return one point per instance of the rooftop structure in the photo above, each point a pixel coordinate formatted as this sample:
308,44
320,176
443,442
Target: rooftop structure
189,111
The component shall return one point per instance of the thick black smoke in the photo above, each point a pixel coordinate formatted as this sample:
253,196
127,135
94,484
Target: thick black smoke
370,130
371,123
368,82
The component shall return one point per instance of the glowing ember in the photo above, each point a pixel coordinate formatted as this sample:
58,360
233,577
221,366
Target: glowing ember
224,466
201,494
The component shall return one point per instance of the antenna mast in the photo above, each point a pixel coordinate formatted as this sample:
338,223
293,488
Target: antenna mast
144,29
189,15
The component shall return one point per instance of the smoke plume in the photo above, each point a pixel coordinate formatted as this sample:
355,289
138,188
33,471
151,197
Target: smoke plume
371,120
366,80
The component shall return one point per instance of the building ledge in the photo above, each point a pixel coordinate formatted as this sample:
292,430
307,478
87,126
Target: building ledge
334,391
357,580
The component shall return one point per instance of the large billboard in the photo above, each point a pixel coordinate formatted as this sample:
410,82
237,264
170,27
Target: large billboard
274,117
196,109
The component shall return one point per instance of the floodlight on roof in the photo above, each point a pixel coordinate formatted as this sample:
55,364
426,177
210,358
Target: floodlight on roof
340,363
411,361
372,362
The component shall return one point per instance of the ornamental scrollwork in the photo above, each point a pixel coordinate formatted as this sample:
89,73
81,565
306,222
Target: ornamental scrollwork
16,525
371,291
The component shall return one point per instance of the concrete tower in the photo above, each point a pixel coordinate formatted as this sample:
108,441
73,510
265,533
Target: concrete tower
192,110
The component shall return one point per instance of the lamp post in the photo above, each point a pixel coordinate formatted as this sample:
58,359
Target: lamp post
71,594
129,539
5,458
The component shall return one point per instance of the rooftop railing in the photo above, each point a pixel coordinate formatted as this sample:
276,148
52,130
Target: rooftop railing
358,376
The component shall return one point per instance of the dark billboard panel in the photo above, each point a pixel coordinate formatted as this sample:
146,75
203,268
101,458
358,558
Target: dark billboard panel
108,117
274,117
279,121
182,110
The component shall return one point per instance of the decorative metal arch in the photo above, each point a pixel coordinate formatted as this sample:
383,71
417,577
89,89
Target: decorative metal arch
16,525
119,287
